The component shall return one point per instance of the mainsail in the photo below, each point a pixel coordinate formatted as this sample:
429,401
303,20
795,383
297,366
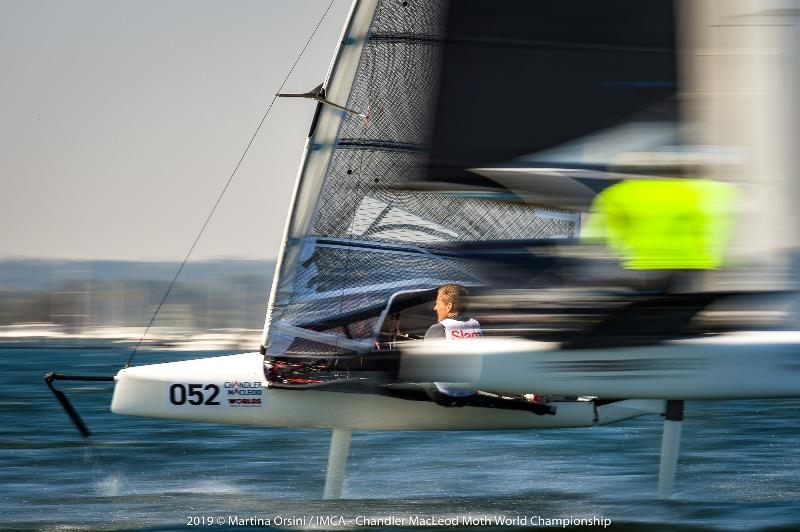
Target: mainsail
552,84
445,88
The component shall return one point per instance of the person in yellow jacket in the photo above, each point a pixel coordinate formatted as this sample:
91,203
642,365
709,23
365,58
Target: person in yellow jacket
664,223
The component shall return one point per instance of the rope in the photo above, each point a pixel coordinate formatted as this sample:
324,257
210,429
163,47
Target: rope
227,184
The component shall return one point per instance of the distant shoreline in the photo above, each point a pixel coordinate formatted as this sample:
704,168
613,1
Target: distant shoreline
51,336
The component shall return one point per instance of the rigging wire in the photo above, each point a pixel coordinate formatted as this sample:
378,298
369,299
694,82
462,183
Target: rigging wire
225,188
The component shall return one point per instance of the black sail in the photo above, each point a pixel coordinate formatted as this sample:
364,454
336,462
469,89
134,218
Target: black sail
522,77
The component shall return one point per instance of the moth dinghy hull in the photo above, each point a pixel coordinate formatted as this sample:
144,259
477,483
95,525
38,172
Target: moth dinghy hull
231,390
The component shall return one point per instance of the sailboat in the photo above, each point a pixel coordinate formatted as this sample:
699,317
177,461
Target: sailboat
434,134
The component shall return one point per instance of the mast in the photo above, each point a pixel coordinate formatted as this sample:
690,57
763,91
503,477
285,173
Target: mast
318,147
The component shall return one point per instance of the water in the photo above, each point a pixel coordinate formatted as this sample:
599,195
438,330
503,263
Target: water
739,466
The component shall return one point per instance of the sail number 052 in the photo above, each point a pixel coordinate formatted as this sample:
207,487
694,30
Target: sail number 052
194,394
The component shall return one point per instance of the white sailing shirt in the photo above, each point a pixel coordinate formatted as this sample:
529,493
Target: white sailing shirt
455,330
461,330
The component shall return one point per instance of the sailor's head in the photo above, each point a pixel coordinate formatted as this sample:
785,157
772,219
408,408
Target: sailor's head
451,301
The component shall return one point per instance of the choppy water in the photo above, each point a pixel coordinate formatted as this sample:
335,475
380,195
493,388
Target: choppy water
739,467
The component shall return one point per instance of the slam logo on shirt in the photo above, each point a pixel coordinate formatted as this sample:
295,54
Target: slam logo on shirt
461,329
463,335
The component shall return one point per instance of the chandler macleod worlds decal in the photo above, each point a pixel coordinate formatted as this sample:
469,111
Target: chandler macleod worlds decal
244,393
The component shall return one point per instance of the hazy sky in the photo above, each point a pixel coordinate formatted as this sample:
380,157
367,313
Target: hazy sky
120,121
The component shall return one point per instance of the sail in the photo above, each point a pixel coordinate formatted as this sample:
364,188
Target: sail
356,234
541,98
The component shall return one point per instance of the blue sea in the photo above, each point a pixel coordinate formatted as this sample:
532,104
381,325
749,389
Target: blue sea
739,468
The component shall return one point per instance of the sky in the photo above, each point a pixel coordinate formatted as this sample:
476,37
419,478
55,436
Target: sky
121,121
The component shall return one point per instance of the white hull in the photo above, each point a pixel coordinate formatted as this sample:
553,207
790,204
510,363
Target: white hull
153,390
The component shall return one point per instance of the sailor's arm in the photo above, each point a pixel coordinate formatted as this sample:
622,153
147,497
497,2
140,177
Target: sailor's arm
435,331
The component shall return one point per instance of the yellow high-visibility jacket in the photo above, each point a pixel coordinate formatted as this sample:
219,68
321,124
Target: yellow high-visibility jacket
664,224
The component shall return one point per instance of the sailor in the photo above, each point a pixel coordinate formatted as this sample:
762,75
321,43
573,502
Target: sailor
450,310
664,225
455,325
